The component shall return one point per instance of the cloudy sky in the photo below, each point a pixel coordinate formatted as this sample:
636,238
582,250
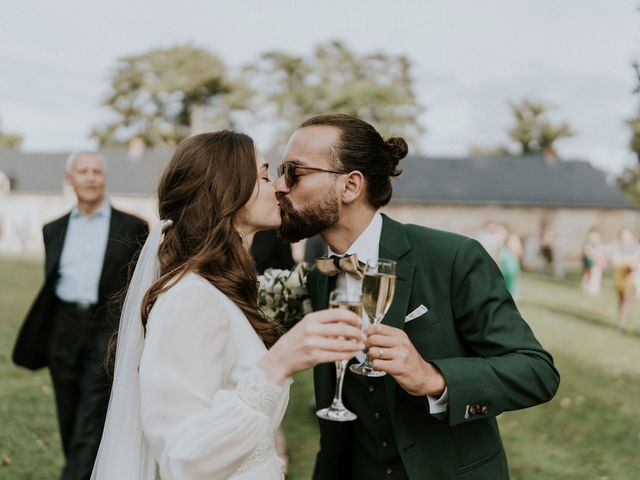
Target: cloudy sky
470,57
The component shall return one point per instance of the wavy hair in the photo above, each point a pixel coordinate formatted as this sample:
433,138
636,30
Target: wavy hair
209,179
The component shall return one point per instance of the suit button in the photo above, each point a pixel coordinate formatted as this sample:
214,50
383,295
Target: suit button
484,409
473,409
384,444
377,416
372,388
389,471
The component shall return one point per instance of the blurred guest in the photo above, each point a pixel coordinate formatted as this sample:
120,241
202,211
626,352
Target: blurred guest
314,247
270,251
593,262
547,249
509,258
87,252
490,238
625,254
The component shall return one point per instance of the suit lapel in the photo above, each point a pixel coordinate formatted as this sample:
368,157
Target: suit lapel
114,233
394,245
57,244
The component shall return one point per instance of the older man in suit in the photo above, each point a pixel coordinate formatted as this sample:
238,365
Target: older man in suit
69,325
456,351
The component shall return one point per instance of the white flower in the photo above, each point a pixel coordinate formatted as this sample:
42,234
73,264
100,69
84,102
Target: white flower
283,295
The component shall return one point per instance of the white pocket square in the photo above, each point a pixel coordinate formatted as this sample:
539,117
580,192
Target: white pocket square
421,310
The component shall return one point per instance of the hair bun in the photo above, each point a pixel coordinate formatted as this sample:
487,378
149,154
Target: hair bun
397,148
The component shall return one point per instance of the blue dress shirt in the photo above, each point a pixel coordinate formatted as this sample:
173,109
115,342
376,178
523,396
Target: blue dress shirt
82,255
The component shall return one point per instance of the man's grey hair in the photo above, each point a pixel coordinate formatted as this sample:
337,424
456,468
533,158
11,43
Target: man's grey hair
72,158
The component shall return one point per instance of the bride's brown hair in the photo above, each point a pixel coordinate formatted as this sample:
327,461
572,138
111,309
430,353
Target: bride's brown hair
210,177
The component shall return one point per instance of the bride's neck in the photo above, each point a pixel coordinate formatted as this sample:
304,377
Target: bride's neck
247,238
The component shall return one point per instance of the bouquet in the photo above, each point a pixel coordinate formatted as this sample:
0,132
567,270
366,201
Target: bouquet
283,294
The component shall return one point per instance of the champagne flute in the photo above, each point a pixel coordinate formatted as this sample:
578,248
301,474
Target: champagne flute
378,288
337,412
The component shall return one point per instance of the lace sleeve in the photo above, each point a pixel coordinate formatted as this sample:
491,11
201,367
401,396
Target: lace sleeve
259,393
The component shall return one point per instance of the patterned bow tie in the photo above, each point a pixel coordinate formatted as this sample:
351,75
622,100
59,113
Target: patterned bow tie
333,265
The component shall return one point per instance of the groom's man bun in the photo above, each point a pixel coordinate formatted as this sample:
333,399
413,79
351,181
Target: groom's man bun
360,147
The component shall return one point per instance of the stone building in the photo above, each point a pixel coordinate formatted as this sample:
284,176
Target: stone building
530,195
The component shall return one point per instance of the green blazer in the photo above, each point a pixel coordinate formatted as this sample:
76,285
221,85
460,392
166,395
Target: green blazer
472,332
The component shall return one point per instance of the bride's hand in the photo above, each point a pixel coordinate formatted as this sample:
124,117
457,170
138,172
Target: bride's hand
320,337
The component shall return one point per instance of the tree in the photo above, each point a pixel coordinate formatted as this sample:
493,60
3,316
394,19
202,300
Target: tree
163,95
634,123
629,180
10,141
376,87
533,130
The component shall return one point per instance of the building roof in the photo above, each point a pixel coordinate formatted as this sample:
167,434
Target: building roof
44,172
529,181
526,181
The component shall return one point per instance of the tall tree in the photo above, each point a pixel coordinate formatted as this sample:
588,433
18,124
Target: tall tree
634,122
376,87
629,180
163,95
9,141
534,131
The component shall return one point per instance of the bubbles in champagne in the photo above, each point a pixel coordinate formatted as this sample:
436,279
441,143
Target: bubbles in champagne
377,294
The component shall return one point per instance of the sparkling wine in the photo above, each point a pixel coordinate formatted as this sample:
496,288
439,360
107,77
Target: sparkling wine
355,307
377,294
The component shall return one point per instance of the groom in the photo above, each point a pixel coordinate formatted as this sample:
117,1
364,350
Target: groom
456,350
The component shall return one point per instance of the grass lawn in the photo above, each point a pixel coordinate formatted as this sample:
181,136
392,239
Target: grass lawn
589,431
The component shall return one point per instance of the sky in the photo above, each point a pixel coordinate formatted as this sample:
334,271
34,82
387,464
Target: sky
470,58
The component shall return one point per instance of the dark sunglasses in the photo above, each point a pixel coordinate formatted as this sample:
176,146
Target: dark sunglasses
290,176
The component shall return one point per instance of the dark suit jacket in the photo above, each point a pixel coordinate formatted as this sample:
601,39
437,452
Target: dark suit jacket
126,235
270,251
472,332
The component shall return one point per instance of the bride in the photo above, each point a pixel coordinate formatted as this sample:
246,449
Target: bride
201,378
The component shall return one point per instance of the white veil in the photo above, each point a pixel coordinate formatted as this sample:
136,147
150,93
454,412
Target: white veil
124,452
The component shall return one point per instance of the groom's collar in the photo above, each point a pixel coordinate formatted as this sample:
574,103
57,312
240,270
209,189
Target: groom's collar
366,245
393,239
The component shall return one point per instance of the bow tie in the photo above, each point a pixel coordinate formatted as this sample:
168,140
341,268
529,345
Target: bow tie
333,265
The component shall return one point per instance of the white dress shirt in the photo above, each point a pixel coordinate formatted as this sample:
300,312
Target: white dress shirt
82,255
367,246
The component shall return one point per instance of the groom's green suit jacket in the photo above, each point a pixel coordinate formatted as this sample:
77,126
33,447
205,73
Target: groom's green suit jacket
472,332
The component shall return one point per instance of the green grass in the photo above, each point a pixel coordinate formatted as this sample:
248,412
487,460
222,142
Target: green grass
589,431
29,443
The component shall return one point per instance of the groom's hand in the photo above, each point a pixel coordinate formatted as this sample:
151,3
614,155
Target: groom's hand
391,351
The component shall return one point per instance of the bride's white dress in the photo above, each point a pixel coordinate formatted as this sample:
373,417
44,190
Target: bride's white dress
207,411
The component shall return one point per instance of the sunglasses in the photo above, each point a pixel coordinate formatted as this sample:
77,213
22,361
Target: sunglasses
291,176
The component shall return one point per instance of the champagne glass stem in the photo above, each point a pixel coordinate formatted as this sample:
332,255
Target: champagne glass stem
341,367
367,359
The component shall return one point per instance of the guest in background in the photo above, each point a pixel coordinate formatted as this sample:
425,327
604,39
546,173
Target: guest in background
270,251
593,262
490,238
314,247
509,258
625,254
73,317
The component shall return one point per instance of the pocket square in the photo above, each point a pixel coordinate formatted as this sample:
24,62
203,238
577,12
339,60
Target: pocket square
421,310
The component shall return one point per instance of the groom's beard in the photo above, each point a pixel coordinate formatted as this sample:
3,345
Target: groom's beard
308,221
